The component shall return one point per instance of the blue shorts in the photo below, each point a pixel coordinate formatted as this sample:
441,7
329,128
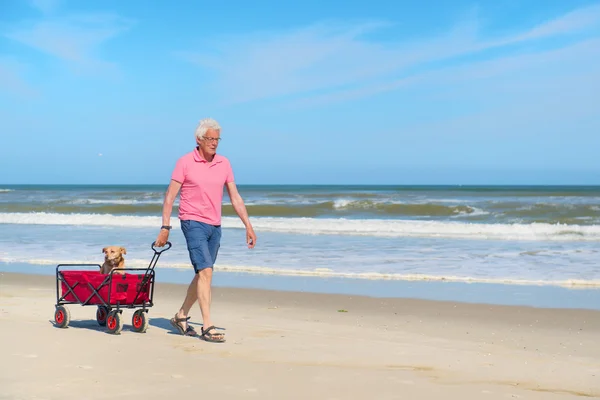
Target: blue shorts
203,242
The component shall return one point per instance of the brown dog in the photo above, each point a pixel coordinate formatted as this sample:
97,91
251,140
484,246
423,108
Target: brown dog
113,259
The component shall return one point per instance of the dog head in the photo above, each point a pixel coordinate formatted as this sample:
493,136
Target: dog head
114,254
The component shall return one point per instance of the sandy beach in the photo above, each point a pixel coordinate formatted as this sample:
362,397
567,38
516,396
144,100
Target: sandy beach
297,345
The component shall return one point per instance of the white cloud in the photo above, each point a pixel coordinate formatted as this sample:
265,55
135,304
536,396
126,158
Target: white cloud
75,39
572,22
328,62
509,74
274,65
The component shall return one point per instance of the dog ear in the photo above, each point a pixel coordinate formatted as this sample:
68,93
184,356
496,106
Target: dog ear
104,250
123,250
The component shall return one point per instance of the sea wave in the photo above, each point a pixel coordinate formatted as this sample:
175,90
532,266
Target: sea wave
339,226
298,208
351,206
328,273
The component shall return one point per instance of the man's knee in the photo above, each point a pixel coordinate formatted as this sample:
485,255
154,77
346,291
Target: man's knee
205,274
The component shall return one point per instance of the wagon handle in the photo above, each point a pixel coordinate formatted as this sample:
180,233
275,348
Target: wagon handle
165,249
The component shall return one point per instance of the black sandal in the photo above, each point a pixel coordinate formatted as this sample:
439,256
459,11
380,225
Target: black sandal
189,331
211,337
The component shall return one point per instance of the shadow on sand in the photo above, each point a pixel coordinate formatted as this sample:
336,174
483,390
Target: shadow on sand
157,322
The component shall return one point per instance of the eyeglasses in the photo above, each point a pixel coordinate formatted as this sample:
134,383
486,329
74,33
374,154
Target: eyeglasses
211,139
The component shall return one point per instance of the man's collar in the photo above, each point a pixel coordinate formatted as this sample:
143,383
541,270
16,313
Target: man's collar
198,157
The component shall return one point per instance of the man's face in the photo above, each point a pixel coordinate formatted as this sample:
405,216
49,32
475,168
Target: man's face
209,142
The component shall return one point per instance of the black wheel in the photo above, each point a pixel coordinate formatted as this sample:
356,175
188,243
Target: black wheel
101,315
139,321
62,316
114,323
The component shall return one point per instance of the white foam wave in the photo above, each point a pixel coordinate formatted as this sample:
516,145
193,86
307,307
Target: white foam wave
115,201
338,226
328,273
343,203
42,218
476,212
6,190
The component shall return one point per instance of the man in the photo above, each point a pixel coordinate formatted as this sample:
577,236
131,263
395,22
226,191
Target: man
200,176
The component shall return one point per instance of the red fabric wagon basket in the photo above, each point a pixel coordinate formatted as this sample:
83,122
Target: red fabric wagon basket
93,287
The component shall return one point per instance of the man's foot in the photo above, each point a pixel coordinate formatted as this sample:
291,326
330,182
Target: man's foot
212,337
186,330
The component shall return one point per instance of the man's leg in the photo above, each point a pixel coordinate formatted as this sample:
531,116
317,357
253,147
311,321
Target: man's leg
196,235
190,298
205,282
204,295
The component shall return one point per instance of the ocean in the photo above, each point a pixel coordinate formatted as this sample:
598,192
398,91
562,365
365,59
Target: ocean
534,235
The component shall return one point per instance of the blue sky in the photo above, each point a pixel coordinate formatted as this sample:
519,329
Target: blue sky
398,92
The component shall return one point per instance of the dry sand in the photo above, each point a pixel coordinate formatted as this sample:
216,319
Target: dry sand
284,345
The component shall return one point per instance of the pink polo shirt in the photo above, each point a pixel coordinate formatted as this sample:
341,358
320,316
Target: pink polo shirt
201,194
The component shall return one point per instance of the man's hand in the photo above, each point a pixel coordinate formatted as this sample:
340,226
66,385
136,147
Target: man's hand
162,238
250,237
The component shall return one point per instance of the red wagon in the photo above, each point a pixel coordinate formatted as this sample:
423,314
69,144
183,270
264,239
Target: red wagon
110,293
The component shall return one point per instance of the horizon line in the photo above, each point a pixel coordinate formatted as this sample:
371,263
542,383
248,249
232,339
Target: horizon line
320,184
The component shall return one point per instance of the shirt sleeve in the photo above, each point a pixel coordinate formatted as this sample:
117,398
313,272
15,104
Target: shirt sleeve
229,175
179,171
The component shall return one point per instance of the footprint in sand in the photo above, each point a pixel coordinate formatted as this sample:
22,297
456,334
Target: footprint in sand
84,367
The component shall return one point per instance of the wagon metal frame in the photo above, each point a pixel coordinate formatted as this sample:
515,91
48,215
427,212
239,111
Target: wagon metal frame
73,289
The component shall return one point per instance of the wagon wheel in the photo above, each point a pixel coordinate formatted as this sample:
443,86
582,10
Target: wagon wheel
139,321
114,323
101,315
62,316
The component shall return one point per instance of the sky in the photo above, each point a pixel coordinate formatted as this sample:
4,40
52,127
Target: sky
343,92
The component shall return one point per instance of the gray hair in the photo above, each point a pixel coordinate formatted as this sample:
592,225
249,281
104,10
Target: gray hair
206,124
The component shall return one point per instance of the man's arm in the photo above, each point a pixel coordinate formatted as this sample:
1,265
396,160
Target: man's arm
172,191
240,208
170,197
238,203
